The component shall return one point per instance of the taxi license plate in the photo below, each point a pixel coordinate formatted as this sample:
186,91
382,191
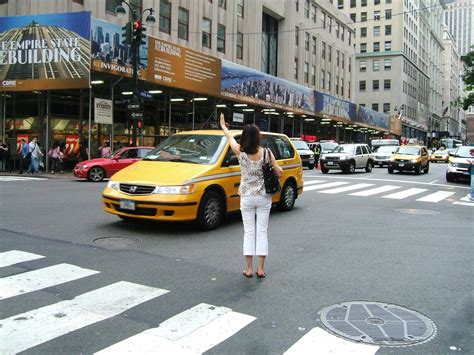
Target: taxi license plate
127,205
330,163
401,165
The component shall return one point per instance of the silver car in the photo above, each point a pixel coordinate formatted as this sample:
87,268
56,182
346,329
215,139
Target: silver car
382,154
348,157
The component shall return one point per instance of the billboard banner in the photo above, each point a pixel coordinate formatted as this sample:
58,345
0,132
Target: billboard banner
45,52
180,67
255,87
331,107
373,118
108,53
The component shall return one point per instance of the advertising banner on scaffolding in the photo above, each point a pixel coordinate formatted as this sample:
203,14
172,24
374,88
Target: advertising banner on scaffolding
328,106
373,119
45,52
108,53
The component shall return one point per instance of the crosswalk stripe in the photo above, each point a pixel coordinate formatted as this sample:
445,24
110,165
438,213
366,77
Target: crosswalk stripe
193,331
23,331
437,196
26,282
375,191
345,188
467,198
313,182
464,203
323,186
13,257
318,341
19,178
405,193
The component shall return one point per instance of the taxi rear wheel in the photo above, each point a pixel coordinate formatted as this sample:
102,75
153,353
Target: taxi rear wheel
211,211
287,197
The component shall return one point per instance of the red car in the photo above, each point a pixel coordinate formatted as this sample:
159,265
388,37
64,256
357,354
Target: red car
100,168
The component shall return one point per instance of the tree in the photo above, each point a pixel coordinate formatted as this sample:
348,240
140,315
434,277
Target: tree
468,79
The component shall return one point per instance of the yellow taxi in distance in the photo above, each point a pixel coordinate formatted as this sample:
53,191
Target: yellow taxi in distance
410,158
195,176
440,155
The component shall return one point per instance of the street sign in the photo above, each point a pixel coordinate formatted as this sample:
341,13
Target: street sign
136,107
138,115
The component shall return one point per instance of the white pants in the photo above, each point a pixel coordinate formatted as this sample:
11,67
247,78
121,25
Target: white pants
255,231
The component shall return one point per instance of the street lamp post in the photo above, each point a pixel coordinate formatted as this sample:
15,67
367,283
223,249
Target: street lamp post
134,35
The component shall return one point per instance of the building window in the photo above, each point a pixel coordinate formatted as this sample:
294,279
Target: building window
388,30
375,107
375,85
387,84
329,81
220,38
362,66
388,14
183,23
314,45
313,75
363,47
306,72
165,16
222,4
329,54
376,46
297,4
338,29
330,23
81,2
323,20
313,12
387,64
296,68
306,8
376,31
323,50
340,4
342,33
240,45
336,82
306,41
375,65
363,32
342,60
323,79
240,8
342,87
353,17
362,85
206,32
388,46
363,16
297,35
110,5
353,3
337,57
363,2
376,2
386,107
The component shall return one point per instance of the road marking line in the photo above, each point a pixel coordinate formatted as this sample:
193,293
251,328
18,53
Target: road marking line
13,257
464,203
323,186
26,282
375,191
313,182
432,182
466,198
318,341
18,178
437,196
23,331
405,193
193,331
345,188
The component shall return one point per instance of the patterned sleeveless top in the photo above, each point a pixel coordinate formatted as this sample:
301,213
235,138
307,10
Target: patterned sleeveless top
251,181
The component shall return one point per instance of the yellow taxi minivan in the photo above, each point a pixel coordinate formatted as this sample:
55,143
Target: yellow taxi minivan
410,158
195,176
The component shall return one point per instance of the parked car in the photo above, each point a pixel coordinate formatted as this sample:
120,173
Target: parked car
410,158
458,166
439,155
306,154
100,168
382,154
348,157
194,176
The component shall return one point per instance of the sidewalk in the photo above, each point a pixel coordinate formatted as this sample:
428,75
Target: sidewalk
66,175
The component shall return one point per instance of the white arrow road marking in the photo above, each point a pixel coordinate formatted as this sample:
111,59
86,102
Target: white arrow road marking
437,196
13,257
323,186
375,191
345,188
317,341
313,182
193,331
19,284
23,331
405,193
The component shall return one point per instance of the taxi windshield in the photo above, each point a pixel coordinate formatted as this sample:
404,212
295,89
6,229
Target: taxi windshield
189,148
408,150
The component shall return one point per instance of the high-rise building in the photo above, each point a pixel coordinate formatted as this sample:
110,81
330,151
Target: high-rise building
399,59
459,17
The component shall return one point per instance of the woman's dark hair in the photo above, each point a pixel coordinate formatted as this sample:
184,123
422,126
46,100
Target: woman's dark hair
250,139
55,145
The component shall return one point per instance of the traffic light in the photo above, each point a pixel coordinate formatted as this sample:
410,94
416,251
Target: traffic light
139,32
127,34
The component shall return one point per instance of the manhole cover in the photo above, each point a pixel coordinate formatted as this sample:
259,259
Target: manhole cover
415,211
377,323
116,242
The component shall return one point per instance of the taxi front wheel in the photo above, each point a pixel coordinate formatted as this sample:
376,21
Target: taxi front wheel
211,211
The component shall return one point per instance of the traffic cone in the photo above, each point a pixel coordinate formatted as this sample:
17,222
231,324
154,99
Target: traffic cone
319,166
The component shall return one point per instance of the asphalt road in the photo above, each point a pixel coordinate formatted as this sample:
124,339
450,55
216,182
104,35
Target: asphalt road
334,247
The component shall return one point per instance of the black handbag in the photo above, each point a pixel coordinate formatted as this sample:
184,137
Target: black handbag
272,184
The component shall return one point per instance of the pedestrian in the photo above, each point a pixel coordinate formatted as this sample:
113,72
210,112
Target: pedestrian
105,150
34,155
254,201
54,153
471,153
23,155
40,157
5,157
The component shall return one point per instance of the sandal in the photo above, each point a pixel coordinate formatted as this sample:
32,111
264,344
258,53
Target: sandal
247,275
261,276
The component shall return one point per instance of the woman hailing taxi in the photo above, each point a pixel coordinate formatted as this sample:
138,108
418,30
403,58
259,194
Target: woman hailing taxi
254,201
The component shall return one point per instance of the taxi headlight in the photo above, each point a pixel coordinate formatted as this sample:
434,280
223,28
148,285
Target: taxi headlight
175,190
114,185
414,160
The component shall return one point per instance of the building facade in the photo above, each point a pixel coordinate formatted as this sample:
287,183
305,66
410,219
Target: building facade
459,17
